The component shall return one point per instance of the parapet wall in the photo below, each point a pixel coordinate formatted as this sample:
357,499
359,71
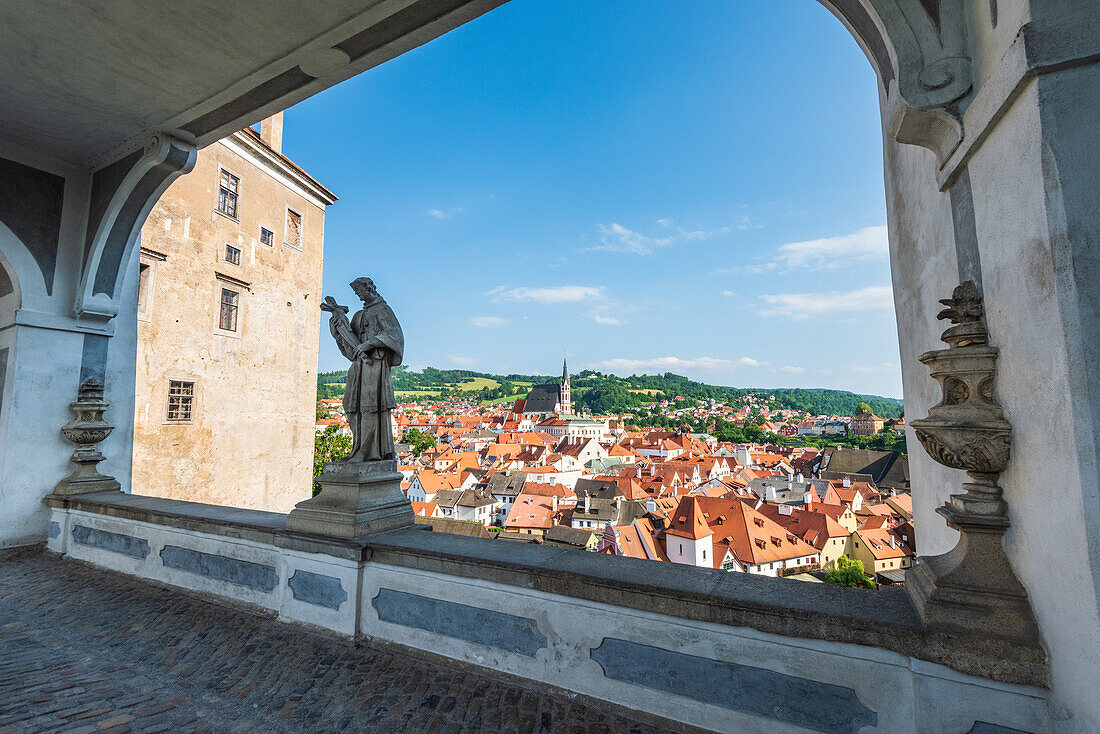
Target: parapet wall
489,604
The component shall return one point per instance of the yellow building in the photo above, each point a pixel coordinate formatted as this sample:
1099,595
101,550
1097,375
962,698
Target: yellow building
228,318
879,550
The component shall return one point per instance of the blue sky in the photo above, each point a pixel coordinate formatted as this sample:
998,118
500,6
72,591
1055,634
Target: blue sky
653,185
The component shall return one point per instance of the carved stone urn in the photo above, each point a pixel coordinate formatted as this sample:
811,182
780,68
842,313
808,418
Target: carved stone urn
86,430
971,588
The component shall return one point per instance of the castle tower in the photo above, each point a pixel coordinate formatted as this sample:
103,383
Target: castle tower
566,400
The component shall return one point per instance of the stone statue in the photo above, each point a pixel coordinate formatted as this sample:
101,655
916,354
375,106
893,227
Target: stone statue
373,341
361,494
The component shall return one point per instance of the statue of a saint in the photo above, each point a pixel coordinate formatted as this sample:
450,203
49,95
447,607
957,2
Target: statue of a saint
373,341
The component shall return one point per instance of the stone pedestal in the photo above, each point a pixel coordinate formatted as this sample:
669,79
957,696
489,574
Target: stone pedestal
86,430
357,499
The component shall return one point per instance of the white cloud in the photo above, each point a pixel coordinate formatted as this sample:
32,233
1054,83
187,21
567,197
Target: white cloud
673,363
462,361
445,213
870,243
488,322
805,305
728,294
604,320
792,370
614,237
556,294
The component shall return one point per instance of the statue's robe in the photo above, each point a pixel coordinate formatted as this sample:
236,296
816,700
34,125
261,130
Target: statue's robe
368,396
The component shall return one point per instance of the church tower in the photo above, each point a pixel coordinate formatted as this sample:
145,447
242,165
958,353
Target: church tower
566,400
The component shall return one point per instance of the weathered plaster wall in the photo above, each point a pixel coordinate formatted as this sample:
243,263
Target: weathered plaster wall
1038,244
250,443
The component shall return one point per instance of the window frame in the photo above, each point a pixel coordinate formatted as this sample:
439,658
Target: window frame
192,382
235,305
231,249
236,194
270,242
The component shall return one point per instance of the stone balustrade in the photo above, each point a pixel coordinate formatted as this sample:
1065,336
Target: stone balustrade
724,651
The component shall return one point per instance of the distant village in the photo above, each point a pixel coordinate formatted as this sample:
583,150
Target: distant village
536,472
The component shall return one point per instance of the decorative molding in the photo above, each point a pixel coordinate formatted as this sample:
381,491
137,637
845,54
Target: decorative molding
122,195
972,588
919,50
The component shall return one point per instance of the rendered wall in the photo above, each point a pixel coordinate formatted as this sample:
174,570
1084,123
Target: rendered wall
250,443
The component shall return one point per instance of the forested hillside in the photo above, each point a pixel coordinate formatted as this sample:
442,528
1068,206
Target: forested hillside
600,393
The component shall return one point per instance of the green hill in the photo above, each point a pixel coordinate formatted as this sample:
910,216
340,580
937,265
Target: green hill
600,393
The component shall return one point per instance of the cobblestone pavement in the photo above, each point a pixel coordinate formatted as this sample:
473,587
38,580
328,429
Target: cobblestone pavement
84,650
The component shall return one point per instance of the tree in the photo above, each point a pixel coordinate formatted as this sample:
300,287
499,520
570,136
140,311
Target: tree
850,573
321,412
863,408
420,441
329,445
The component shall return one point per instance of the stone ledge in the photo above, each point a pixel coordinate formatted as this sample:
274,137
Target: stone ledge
883,619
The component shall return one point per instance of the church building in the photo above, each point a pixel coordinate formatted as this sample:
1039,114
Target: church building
550,399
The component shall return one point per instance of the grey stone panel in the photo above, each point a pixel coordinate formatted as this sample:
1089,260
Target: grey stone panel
397,25
269,91
984,727
315,588
127,545
472,624
105,183
55,529
221,568
93,358
30,206
810,704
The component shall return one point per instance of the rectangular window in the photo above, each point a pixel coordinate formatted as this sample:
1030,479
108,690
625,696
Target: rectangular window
228,186
232,254
293,228
228,318
267,237
181,397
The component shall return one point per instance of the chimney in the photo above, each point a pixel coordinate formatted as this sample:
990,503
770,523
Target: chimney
808,498
847,482
554,502
587,506
650,505
271,132
769,492
800,480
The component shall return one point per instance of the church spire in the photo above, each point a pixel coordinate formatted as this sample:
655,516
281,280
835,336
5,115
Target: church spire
566,399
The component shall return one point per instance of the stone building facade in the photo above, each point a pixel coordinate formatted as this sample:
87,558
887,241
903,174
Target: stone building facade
228,316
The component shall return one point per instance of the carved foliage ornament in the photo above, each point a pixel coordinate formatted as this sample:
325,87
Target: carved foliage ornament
966,429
